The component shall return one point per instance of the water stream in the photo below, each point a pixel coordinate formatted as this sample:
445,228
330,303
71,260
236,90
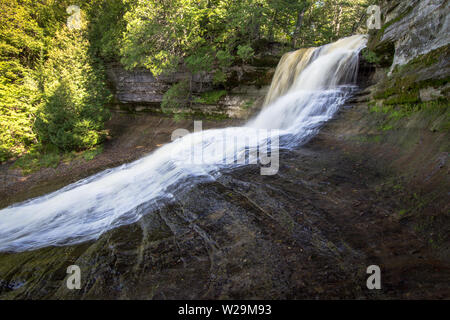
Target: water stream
308,88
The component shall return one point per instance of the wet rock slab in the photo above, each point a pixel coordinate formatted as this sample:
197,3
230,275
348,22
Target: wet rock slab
308,232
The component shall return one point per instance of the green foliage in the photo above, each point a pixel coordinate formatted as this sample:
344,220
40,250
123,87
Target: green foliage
38,157
161,34
106,26
32,162
52,90
92,153
200,61
371,56
176,97
328,20
219,77
21,42
72,113
180,116
224,58
211,97
16,117
245,52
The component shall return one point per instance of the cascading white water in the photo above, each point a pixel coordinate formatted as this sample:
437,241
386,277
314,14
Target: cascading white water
84,210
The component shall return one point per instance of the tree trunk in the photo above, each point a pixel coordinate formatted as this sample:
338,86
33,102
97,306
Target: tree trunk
190,90
256,30
338,21
272,26
298,25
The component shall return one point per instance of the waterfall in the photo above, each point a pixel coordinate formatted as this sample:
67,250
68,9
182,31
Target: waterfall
290,66
309,86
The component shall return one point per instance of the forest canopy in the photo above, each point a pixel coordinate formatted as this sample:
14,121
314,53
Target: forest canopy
53,92
158,34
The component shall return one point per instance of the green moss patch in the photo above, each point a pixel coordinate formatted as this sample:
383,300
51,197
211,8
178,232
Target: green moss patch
434,115
403,86
211,97
424,60
39,158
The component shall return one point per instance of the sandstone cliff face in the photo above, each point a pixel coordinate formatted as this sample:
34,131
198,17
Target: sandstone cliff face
141,87
416,27
412,50
138,90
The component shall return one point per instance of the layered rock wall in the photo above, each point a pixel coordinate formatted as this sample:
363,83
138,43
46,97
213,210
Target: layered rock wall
138,90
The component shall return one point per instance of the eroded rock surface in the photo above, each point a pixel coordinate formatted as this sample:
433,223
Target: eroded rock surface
416,27
308,232
139,91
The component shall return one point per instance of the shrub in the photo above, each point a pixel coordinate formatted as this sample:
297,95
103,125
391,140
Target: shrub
245,52
211,97
219,77
202,61
224,58
176,97
371,56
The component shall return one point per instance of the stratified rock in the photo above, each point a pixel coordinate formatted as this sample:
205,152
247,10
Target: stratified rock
416,27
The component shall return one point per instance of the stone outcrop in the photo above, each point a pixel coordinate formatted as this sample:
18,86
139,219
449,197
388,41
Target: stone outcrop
140,87
415,27
412,53
138,90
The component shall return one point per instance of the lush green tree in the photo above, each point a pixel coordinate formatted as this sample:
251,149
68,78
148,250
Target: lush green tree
328,20
176,97
21,43
38,61
72,113
106,27
159,33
